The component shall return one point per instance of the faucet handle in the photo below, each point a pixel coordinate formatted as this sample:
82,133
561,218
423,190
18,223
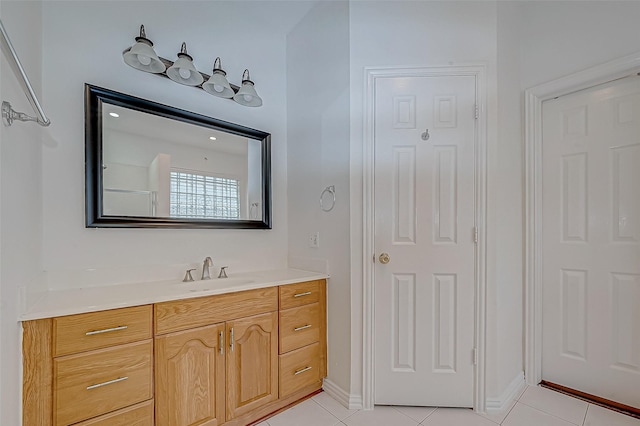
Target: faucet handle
187,276
223,272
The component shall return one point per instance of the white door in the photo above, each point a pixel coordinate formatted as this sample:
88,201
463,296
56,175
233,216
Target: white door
591,241
424,221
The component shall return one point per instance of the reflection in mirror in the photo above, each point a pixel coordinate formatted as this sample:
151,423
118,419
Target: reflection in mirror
158,166
154,166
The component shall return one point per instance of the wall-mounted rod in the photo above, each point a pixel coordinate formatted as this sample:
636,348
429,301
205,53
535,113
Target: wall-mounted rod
8,114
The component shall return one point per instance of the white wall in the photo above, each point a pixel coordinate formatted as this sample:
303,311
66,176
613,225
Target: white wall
560,38
83,42
504,300
317,157
20,197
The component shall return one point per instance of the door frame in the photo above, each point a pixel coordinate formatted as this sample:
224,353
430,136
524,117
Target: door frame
477,70
603,73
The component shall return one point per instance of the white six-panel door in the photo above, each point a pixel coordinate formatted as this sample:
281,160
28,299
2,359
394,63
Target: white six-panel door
591,241
424,221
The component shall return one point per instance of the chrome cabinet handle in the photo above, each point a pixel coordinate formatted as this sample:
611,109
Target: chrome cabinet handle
302,327
106,330
302,294
301,371
221,343
232,342
110,382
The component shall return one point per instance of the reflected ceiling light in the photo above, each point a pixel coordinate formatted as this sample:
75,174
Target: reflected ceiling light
213,138
114,115
217,85
247,94
182,71
141,55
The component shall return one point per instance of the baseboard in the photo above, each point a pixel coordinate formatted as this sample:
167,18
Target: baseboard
352,402
510,394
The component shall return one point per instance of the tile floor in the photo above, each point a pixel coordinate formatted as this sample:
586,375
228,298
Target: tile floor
536,406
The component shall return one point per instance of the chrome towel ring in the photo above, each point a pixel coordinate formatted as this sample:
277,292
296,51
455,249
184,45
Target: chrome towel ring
329,194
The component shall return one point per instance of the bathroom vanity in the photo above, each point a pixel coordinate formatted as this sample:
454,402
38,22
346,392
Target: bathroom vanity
206,353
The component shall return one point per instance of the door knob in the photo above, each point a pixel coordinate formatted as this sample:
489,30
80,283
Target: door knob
384,258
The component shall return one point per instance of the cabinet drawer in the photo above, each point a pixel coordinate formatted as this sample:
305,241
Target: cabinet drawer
299,327
299,368
191,313
90,384
136,415
83,332
299,294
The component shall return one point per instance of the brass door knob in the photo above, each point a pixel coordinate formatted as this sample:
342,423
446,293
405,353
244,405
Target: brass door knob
384,258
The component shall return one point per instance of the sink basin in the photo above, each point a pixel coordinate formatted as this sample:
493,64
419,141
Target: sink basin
213,284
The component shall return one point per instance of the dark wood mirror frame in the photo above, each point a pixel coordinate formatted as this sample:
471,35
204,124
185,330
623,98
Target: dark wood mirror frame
94,96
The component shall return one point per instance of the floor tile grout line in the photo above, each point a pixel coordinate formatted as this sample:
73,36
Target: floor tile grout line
418,422
552,415
320,405
429,415
511,409
585,414
341,420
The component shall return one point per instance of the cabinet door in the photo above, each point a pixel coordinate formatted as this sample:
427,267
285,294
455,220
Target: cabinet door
190,377
252,363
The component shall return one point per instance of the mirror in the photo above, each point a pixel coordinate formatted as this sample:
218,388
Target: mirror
152,165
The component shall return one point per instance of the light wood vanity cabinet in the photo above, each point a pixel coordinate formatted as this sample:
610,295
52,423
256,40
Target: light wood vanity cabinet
190,377
239,354
226,359
86,366
302,336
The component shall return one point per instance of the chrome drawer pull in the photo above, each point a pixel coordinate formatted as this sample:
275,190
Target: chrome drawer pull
221,343
302,294
301,371
110,382
106,330
302,328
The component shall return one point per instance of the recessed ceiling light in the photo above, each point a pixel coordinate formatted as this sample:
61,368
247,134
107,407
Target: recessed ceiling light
114,115
213,138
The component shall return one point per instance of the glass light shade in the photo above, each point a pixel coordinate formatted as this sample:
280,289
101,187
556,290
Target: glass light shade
247,94
142,57
182,71
218,85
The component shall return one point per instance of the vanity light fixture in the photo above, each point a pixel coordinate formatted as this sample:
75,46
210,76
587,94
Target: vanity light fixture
217,85
141,56
247,95
182,71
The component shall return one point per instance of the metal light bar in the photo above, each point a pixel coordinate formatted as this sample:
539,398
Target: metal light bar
8,113
168,65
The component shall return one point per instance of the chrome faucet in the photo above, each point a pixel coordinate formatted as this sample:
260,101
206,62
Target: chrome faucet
205,268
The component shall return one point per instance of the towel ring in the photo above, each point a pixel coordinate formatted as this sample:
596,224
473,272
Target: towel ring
330,190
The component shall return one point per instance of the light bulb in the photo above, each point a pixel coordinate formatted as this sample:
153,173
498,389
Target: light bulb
144,60
218,88
184,73
247,98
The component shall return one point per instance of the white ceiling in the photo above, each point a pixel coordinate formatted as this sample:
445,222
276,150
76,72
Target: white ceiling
160,128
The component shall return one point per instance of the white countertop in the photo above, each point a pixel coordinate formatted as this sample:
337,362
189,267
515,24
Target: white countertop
91,299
